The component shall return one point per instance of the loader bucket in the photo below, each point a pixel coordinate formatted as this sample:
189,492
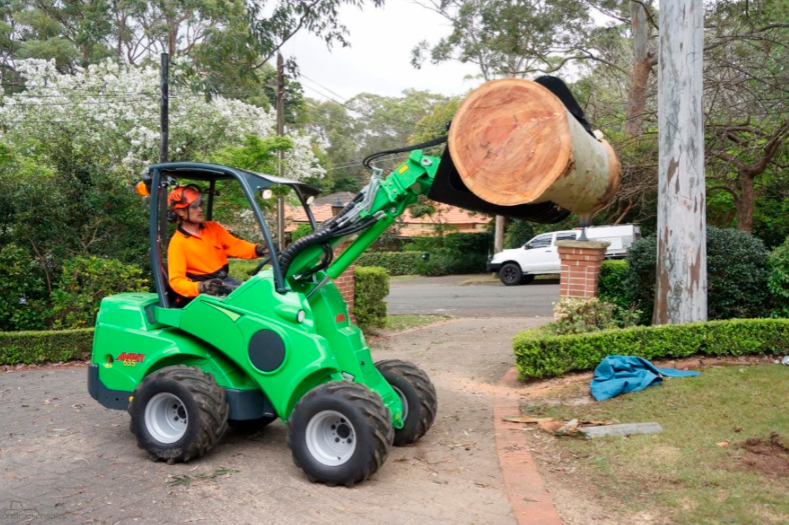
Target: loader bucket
449,188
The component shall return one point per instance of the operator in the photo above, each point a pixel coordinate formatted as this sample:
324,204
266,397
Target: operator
198,252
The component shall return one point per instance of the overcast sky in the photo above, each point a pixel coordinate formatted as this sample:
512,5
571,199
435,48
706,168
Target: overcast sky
379,59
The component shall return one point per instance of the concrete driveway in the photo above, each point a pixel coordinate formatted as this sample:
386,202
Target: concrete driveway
445,295
65,458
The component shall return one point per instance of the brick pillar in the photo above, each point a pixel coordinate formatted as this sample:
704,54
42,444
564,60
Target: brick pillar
346,282
581,262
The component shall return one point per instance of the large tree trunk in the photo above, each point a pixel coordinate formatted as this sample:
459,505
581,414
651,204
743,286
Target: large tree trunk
745,204
681,294
637,99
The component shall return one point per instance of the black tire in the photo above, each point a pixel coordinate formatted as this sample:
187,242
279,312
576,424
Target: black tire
361,414
419,396
204,407
511,274
527,279
250,426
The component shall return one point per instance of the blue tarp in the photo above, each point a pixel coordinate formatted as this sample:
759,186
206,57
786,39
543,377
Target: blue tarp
620,374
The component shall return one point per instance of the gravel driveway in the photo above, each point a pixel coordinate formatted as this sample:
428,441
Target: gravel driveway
65,458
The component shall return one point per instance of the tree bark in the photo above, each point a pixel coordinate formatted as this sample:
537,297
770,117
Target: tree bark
745,203
498,238
637,98
681,291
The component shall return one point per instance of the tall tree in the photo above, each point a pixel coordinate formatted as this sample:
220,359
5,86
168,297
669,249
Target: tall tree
681,292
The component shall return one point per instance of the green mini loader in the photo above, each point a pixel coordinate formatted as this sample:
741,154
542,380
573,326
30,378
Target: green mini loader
282,344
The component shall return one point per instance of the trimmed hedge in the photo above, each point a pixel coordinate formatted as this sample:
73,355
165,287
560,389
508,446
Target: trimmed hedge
396,263
539,355
372,285
47,345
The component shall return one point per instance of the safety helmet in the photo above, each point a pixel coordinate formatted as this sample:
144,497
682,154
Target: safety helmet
183,196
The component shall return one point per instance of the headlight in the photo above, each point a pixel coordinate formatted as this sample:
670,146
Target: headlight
300,316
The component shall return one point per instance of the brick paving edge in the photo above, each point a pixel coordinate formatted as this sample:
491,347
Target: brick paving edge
531,503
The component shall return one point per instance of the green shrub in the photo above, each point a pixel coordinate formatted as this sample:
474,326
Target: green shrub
453,253
576,315
395,263
611,284
85,282
778,280
736,275
372,285
539,354
23,290
39,347
301,231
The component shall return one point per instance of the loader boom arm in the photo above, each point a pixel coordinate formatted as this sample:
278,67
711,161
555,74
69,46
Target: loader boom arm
369,214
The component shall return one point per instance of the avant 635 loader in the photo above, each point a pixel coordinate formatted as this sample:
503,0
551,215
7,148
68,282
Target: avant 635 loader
281,345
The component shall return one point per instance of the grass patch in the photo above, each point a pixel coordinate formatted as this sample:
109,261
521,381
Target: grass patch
397,323
403,277
682,474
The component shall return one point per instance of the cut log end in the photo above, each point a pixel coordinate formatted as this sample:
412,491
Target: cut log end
505,137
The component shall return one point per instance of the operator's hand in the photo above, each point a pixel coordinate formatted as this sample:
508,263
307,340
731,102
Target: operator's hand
260,250
211,287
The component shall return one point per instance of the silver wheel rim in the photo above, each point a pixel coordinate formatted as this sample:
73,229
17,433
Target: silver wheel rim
331,438
166,418
403,401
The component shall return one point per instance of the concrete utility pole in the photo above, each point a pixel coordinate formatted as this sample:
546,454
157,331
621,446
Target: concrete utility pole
164,107
280,132
681,292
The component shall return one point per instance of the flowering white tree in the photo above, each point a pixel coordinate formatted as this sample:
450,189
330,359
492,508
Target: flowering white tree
112,111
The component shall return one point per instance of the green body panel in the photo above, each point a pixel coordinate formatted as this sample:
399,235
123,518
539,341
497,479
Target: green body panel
134,336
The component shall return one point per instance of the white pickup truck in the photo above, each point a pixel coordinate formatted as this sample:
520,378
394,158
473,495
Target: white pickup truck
540,256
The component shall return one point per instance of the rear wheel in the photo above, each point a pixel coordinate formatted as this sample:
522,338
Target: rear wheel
178,413
417,394
510,274
340,433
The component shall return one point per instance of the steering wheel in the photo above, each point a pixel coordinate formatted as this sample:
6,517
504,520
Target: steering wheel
260,265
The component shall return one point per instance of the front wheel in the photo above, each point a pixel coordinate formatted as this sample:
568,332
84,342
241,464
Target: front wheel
510,274
340,433
417,394
178,413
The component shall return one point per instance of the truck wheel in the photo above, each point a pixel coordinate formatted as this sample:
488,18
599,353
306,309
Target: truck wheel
250,426
340,433
178,413
417,394
527,279
510,274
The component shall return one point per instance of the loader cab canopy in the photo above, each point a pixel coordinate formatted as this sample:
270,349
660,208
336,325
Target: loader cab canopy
163,177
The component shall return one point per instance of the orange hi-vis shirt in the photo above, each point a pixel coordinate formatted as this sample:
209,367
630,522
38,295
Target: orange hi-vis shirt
202,255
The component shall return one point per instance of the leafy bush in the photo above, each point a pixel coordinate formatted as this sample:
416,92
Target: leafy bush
85,282
736,275
395,263
778,279
453,253
301,231
372,285
576,315
23,290
611,284
539,354
38,347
